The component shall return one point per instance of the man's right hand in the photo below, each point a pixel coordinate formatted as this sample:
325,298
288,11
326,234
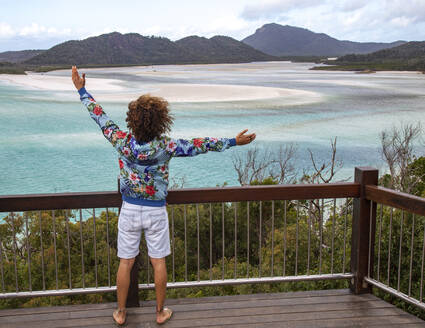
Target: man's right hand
79,82
244,139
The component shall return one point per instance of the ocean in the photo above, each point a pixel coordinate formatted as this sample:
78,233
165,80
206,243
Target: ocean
49,144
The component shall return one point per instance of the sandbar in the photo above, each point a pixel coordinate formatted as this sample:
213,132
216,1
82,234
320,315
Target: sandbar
42,81
179,92
115,90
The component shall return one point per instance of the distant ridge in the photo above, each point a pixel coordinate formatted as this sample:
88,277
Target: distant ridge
18,56
134,49
279,40
408,51
409,57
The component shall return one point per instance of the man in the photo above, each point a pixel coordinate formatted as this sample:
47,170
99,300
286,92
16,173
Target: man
143,156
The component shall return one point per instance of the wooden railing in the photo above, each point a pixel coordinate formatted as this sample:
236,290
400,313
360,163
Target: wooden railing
364,192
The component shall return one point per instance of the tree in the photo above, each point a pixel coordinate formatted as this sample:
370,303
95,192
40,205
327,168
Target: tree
257,165
398,152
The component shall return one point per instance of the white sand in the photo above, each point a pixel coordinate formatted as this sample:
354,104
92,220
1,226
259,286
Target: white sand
56,83
111,90
213,93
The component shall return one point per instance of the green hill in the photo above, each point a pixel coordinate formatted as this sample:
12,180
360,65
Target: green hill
135,49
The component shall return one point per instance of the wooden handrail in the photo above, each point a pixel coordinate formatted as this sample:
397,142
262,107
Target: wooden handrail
397,199
34,202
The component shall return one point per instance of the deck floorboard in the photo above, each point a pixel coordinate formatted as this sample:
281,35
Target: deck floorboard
324,308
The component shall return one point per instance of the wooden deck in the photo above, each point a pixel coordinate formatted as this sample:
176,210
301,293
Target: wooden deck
325,308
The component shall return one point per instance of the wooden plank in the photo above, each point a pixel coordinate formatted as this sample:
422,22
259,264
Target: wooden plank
294,310
237,318
308,324
410,203
189,311
256,193
17,203
52,309
301,295
347,315
171,301
355,322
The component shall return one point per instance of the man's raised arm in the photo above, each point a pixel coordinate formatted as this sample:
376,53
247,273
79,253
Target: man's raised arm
111,131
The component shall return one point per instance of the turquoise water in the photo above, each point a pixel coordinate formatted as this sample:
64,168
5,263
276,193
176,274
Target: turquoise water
48,143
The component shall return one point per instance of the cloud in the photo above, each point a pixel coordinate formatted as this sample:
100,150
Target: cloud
273,9
33,30
356,20
33,36
6,30
350,5
412,10
401,21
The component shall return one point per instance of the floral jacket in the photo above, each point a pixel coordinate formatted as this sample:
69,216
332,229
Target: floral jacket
144,166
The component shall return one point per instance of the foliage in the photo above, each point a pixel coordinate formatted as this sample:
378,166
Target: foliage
406,57
11,68
406,172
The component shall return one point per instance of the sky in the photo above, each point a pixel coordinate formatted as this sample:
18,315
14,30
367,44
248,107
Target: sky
41,24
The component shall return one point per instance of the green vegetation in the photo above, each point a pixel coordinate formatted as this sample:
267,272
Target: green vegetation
407,57
10,68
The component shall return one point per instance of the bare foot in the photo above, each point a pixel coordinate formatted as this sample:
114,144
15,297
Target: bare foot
119,316
163,316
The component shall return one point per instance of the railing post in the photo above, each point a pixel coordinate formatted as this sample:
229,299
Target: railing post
133,289
362,227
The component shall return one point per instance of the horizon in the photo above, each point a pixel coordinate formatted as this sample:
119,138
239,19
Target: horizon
192,35
41,25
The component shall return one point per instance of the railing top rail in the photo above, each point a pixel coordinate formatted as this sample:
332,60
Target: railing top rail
397,199
76,200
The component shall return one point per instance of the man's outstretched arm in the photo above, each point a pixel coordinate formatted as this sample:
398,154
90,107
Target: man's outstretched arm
193,147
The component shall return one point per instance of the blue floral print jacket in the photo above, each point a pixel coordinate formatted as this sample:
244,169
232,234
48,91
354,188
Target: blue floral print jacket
144,166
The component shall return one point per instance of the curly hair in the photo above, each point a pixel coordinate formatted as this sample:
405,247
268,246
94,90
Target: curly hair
148,118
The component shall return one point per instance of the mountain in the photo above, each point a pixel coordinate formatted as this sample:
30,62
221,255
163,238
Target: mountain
18,56
279,40
134,49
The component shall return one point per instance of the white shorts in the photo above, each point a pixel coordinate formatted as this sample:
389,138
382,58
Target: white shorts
153,221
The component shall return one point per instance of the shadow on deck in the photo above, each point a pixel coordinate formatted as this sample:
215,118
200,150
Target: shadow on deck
321,308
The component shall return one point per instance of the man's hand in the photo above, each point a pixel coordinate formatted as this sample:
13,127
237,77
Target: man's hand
244,139
79,82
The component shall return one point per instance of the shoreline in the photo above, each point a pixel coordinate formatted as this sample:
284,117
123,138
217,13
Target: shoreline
365,70
111,90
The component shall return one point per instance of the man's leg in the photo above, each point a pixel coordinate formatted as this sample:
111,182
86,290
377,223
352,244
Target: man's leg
123,282
160,277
